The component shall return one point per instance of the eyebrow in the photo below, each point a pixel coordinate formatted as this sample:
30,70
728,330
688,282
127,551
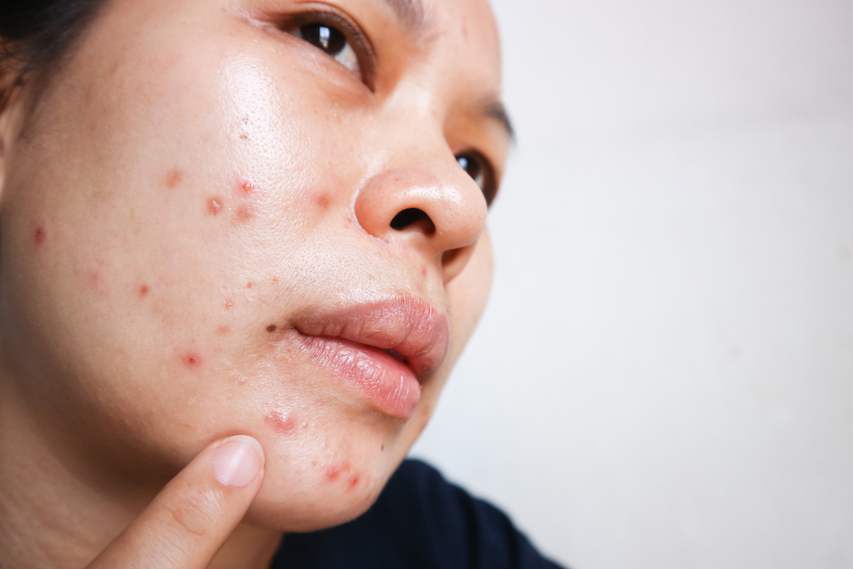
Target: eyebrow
493,108
411,13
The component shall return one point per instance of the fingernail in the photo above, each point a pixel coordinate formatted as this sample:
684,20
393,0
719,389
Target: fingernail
237,461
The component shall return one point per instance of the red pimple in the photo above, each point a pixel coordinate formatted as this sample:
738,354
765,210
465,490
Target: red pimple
247,187
332,473
281,422
353,481
191,359
143,291
223,330
174,177
424,270
244,137
214,204
40,235
323,201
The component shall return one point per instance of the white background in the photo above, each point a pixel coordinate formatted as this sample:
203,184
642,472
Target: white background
664,376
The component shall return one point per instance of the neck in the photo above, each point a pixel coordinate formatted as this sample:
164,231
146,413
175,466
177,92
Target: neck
56,514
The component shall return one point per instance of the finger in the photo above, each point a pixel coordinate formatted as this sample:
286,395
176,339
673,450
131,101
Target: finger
194,514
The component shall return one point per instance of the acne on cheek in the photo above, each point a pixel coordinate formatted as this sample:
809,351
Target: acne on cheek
174,177
214,204
40,236
191,359
281,422
341,473
242,190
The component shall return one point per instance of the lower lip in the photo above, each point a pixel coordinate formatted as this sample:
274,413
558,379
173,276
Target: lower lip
387,383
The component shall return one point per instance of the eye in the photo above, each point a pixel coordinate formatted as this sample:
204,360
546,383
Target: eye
480,171
332,41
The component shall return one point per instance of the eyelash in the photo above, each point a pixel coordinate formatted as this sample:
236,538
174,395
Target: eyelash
357,40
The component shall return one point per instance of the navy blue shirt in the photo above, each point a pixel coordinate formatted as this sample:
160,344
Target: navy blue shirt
419,521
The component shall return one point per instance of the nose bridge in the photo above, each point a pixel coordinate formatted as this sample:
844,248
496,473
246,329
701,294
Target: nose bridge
417,193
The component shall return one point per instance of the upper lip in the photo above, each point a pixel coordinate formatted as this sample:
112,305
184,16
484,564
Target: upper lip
407,325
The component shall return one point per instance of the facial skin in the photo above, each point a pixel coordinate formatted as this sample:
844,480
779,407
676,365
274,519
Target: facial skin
194,181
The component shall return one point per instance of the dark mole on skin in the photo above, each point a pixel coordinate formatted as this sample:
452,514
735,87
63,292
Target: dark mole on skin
40,235
174,177
191,359
272,328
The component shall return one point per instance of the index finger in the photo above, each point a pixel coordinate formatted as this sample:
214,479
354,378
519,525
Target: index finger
194,514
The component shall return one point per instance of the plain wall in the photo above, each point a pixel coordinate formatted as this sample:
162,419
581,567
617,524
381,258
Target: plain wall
664,375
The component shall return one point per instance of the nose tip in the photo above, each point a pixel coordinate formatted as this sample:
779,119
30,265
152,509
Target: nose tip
440,216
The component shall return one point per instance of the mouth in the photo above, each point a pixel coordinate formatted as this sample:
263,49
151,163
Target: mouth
384,350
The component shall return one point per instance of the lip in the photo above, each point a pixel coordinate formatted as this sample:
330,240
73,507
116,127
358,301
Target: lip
385,349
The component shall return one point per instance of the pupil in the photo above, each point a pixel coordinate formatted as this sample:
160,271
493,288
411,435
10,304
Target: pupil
470,166
328,39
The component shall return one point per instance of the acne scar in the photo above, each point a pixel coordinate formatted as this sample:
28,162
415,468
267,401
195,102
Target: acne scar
244,137
424,270
281,422
174,177
272,328
40,235
244,213
248,285
222,330
191,360
214,204
143,291
323,201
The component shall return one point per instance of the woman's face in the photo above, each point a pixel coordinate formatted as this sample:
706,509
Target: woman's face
248,216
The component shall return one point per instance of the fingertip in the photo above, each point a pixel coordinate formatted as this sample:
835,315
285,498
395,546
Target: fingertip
238,461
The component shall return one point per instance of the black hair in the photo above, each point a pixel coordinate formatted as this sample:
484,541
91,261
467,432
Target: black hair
35,35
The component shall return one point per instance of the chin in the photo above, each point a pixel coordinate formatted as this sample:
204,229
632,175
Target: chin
319,496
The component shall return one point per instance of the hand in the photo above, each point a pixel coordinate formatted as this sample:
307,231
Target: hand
194,514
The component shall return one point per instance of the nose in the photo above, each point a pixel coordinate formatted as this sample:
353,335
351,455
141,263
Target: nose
428,203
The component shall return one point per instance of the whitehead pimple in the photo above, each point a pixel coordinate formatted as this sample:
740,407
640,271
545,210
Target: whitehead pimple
281,422
214,205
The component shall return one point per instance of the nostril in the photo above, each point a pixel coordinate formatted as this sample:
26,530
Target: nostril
413,217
